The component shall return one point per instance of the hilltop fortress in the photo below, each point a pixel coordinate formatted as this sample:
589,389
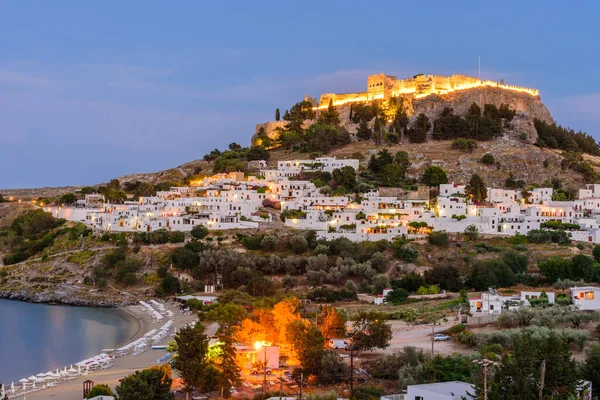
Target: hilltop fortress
430,94
383,86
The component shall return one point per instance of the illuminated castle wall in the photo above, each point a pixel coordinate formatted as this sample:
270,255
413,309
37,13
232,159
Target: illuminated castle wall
383,86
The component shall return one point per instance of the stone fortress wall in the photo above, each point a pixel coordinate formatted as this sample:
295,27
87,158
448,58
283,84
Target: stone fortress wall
381,86
429,95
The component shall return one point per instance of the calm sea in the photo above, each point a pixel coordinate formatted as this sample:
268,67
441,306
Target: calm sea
37,338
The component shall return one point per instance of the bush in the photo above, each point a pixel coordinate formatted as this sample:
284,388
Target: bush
298,244
199,232
397,296
439,239
405,252
488,159
456,329
464,145
471,233
516,261
269,243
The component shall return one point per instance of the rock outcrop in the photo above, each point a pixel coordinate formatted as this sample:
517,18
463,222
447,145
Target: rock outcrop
528,108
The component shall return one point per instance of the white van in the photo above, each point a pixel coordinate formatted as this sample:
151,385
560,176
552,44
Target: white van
337,343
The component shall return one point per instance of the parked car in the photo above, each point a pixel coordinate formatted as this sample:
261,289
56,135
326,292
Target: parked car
260,371
337,343
438,337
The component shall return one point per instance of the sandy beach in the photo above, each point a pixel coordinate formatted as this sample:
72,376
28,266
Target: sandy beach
123,366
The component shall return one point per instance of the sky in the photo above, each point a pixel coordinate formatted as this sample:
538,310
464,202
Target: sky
92,90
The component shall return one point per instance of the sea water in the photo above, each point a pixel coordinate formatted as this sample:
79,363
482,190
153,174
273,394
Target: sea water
38,338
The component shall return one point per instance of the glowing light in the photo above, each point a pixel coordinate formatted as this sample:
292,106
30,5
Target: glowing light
257,345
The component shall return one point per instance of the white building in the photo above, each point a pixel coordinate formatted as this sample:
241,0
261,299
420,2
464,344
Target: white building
451,189
586,297
455,390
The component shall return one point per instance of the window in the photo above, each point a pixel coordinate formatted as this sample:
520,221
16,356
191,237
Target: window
589,295
418,397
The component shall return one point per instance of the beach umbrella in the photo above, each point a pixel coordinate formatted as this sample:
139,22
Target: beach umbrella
32,378
2,392
24,380
41,375
12,387
79,369
34,384
72,370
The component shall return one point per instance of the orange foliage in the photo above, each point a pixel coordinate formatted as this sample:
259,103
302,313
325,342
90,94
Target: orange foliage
269,325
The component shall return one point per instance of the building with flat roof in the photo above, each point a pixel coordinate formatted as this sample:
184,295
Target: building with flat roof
454,390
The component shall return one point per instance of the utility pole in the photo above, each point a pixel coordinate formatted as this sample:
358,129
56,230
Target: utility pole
351,371
479,67
265,371
432,341
485,363
280,387
542,377
301,384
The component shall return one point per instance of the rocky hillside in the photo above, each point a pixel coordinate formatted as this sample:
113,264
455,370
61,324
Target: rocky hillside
527,107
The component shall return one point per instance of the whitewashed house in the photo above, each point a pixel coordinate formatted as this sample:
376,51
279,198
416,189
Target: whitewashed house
586,297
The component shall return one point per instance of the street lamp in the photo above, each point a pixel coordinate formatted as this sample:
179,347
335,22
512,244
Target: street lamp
257,346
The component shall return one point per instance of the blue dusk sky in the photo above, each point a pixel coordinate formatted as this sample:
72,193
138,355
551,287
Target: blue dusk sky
91,90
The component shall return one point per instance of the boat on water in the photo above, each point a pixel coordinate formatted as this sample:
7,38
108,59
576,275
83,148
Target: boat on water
159,347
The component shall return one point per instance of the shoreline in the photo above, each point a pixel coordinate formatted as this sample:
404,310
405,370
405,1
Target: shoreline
52,299
137,321
123,365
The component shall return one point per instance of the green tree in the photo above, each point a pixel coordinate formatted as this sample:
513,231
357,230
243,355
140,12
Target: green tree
296,116
231,375
298,244
199,232
227,315
490,274
418,132
330,117
391,175
434,176
517,376
345,176
99,390
67,199
476,189
170,285
591,368
364,132
191,360
518,262
403,161
488,159
596,253
277,114
370,331
471,233
149,384
397,296
556,268
308,343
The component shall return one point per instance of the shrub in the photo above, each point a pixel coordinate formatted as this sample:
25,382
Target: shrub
269,243
406,253
488,159
439,239
298,244
471,233
456,329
